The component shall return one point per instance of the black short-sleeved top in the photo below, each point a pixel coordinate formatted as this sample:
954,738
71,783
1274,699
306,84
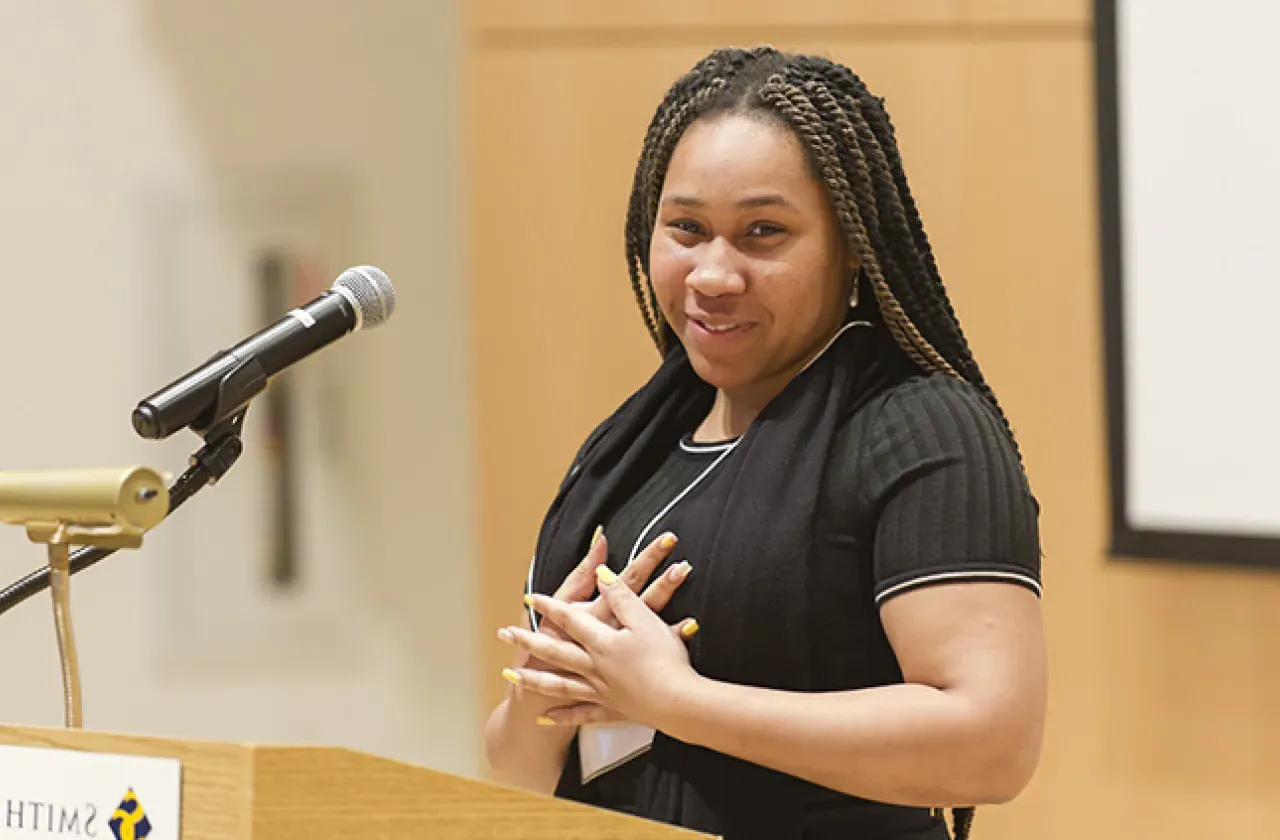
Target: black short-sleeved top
928,490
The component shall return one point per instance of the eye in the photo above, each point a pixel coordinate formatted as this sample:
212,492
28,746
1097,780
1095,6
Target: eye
763,230
688,226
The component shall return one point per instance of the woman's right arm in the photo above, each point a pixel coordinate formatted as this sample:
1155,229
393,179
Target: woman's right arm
521,752
524,753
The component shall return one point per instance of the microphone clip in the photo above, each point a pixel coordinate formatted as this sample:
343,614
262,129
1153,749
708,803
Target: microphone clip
236,388
222,446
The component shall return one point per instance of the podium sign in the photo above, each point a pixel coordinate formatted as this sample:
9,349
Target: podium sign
69,793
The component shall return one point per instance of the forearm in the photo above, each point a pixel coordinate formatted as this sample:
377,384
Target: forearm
905,744
520,752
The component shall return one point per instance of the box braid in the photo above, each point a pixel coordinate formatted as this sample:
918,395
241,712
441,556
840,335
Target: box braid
852,150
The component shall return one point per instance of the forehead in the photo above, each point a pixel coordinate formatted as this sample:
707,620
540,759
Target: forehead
729,155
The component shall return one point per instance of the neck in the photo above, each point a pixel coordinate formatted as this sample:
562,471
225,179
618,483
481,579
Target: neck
728,418
735,409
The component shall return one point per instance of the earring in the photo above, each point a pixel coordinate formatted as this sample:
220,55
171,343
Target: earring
853,298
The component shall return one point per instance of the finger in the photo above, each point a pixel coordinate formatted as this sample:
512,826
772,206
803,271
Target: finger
578,624
551,684
546,625
658,594
556,653
578,715
625,604
579,583
639,570
685,630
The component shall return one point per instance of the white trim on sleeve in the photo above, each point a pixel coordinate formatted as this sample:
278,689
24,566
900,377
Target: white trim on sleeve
967,574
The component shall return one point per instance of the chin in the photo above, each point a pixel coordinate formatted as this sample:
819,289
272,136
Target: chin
723,374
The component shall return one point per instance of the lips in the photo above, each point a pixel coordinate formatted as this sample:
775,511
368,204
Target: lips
718,330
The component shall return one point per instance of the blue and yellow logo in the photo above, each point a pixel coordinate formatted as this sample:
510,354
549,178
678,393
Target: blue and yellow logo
129,822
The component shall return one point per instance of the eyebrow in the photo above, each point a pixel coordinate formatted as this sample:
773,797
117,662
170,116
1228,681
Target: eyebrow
767,200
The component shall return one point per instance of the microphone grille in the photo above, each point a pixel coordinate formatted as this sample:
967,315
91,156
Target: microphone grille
374,295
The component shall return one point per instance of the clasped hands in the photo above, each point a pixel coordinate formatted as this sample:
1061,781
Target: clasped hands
613,657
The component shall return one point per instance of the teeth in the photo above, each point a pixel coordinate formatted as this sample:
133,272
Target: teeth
710,328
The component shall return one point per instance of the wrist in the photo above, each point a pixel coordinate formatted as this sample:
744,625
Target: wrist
681,711
523,713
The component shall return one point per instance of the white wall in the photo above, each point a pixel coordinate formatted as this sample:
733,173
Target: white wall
107,112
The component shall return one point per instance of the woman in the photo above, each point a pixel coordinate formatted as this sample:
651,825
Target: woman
823,480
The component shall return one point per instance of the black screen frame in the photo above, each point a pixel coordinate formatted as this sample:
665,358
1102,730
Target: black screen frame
1126,541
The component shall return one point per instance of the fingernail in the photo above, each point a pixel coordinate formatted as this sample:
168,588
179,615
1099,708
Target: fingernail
595,538
528,600
606,576
505,634
510,676
679,571
667,542
689,629
543,720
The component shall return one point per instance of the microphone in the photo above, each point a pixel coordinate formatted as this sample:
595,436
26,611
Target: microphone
361,297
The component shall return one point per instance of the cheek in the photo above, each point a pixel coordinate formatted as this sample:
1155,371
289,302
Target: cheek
801,298
669,266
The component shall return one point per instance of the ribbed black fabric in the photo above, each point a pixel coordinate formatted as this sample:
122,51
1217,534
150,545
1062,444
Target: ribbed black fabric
862,480
952,498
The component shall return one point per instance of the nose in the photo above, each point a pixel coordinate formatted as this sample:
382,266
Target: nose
713,273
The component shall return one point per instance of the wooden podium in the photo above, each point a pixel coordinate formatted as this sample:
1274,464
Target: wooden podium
246,792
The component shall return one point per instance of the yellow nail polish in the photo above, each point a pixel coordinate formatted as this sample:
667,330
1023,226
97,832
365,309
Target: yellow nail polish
595,538
689,629
543,720
510,676
528,600
667,542
606,576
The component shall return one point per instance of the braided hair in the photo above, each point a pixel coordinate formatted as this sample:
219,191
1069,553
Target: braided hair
851,148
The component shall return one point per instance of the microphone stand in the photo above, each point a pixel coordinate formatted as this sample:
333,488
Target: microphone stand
222,448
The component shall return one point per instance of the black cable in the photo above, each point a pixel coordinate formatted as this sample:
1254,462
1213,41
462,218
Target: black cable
221,450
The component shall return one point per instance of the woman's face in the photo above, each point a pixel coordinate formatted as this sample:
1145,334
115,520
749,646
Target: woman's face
746,257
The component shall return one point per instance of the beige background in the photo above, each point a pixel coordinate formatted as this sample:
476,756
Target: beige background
1164,679
107,106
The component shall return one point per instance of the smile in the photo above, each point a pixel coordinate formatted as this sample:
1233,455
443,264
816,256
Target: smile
707,328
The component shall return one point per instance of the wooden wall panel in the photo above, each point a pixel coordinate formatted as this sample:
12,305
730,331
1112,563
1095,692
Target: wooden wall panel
1164,686
554,15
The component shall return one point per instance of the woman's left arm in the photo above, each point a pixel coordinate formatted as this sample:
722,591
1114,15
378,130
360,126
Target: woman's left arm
964,728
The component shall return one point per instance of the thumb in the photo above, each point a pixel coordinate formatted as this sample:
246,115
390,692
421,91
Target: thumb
624,603
686,629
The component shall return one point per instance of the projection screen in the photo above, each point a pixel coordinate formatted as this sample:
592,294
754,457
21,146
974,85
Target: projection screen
1189,166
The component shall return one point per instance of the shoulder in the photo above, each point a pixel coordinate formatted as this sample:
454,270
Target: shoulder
936,401
938,414
923,424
